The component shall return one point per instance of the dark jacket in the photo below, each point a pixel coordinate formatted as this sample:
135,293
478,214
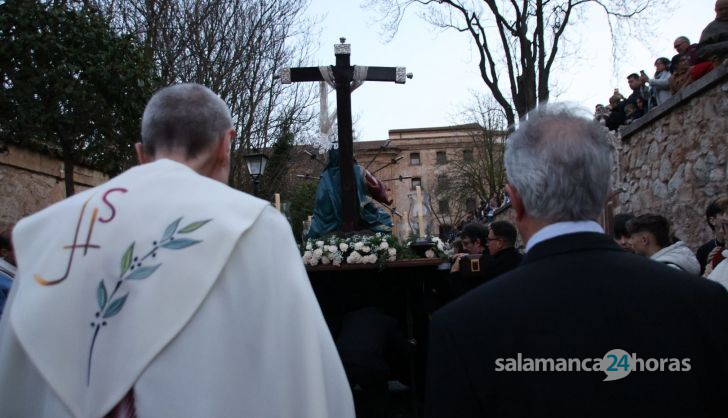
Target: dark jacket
702,254
490,268
579,296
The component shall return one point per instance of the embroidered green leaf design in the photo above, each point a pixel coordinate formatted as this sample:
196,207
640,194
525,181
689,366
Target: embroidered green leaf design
193,226
115,306
171,229
178,244
126,259
142,272
101,295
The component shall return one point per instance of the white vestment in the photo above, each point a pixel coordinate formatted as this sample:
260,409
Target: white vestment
175,285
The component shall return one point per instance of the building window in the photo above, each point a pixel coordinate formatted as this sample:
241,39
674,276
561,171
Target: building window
415,158
416,181
467,155
441,157
444,206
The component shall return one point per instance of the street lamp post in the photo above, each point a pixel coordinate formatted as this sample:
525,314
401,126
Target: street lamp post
256,166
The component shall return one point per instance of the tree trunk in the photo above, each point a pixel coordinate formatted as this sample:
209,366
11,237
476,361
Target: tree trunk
68,166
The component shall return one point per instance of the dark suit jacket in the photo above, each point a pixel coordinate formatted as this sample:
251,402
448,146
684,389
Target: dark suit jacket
580,296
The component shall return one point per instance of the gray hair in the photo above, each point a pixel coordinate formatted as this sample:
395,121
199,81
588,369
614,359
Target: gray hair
186,117
560,163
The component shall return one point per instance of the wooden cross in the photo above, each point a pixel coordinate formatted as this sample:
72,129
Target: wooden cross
343,74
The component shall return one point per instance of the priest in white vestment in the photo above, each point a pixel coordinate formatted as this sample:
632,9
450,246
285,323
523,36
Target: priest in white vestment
166,293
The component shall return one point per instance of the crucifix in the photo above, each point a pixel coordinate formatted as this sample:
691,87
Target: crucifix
345,77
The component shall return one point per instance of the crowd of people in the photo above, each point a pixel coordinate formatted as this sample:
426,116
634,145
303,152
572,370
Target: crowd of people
650,235
692,61
481,252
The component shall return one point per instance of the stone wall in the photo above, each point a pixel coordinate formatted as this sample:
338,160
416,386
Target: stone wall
30,181
673,160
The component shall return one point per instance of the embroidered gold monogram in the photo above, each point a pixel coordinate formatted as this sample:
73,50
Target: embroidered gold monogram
89,234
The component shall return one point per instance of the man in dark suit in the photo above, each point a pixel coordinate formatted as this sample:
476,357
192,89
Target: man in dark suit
575,297
502,249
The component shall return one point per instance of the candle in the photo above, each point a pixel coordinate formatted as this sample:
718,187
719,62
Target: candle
405,226
420,214
278,202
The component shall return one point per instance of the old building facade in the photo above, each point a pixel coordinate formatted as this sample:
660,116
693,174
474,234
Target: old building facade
423,157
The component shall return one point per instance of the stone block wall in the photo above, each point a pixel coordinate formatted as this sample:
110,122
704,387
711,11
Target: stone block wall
30,181
672,161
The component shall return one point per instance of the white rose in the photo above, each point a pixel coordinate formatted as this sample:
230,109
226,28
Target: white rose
332,248
353,258
319,243
384,245
308,246
358,246
314,261
392,252
372,259
343,247
337,262
440,244
366,249
392,258
325,260
430,254
318,252
306,257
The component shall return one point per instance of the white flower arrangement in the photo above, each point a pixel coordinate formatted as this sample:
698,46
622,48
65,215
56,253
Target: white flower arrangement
364,249
357,249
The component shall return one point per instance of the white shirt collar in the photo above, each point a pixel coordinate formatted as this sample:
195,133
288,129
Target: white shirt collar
562,228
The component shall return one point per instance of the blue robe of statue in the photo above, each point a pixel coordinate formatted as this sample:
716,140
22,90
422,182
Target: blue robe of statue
327,212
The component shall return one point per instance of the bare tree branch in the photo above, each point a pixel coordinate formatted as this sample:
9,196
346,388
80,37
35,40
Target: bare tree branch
530,34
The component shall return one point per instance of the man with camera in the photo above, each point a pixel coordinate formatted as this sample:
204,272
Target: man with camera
466,267
491,252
